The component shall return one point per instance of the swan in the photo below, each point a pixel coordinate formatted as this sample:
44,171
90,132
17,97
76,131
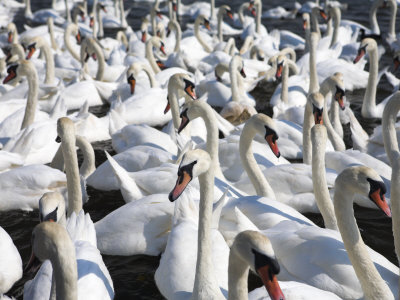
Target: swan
253,250
77,266
369,107
174,277
11,263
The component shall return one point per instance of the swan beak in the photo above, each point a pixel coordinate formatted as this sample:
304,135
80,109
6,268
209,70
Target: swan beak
396,62
94,56
144,36
339,96
273,145
318,119
162,49
78,38
190,91
33,264
58,139
271,283
168,107
11,75
361,53
32,50
184,123
305,24
279,70
242,73
379,199
161,65
254,12
207,24
174,7
132,83
230,15
181,183
10,37
91,22
323,15
104,8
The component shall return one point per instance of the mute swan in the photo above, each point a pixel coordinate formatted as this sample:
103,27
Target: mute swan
79,272
11,263
174,277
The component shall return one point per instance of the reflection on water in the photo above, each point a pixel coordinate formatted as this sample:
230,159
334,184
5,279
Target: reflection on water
133,276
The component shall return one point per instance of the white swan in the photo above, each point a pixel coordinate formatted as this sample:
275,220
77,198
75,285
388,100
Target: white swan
79,272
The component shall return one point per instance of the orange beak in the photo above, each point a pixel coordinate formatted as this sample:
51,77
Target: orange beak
273,145
163,50
91,22
78,38
190,91
271,284
167,108
30,53
10,76
279,70
340,100
174,7
230,15
184,123
380,202
207,25
304,24
242,73
318,118
323,15
181,183
254,12
10,37
361,53
132,83
94,56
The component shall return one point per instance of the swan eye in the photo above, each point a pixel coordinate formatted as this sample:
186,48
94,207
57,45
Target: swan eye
269,132
51,217
377,195
376,185
189,88
262,260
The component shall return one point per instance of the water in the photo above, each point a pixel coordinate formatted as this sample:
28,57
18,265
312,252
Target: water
133,276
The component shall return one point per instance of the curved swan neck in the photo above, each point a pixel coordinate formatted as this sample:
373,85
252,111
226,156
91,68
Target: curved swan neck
314,22
373,285
178,35
28,11
258,5
33,85
101,61
212,9
150,56
372,18
242,7
122,18
249,163
50,24
335,116
48,56
67,42
325,205
389,128
100,30
205,283
206,47
235,79
369,103
314,85
219,28
238,273
285,83
336,19
150,75
88,166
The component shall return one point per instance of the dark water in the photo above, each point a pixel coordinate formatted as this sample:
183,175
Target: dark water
133,276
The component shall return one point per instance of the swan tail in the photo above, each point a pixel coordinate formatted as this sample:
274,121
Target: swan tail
81,228
129,189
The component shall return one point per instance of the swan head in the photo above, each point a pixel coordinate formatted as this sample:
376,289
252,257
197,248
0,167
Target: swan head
52,208
65,129
13,73
191,111
181,84
237,62
367,45
316,100
335,84
11,31
265,126
255,249
219,71
306,20
280,63
193,164
49,240
225,10
157,43
366,182
202,19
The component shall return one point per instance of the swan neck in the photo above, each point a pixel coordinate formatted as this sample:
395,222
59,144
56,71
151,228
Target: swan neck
372,18
320,185
336,20
369,103
238,273
101,61
48,56
335,116
30,109
236,80
28,11
392,24
220,17
314,23
212,9
258,17
50,24
307,125
178,36
205,283
67,12
122,14
241,14
174,104
336,140
250,165
210,122
100,30
314,85
374,287
150,57
206,47
150,75
72,172
67,42
395,204
285,84
88,166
